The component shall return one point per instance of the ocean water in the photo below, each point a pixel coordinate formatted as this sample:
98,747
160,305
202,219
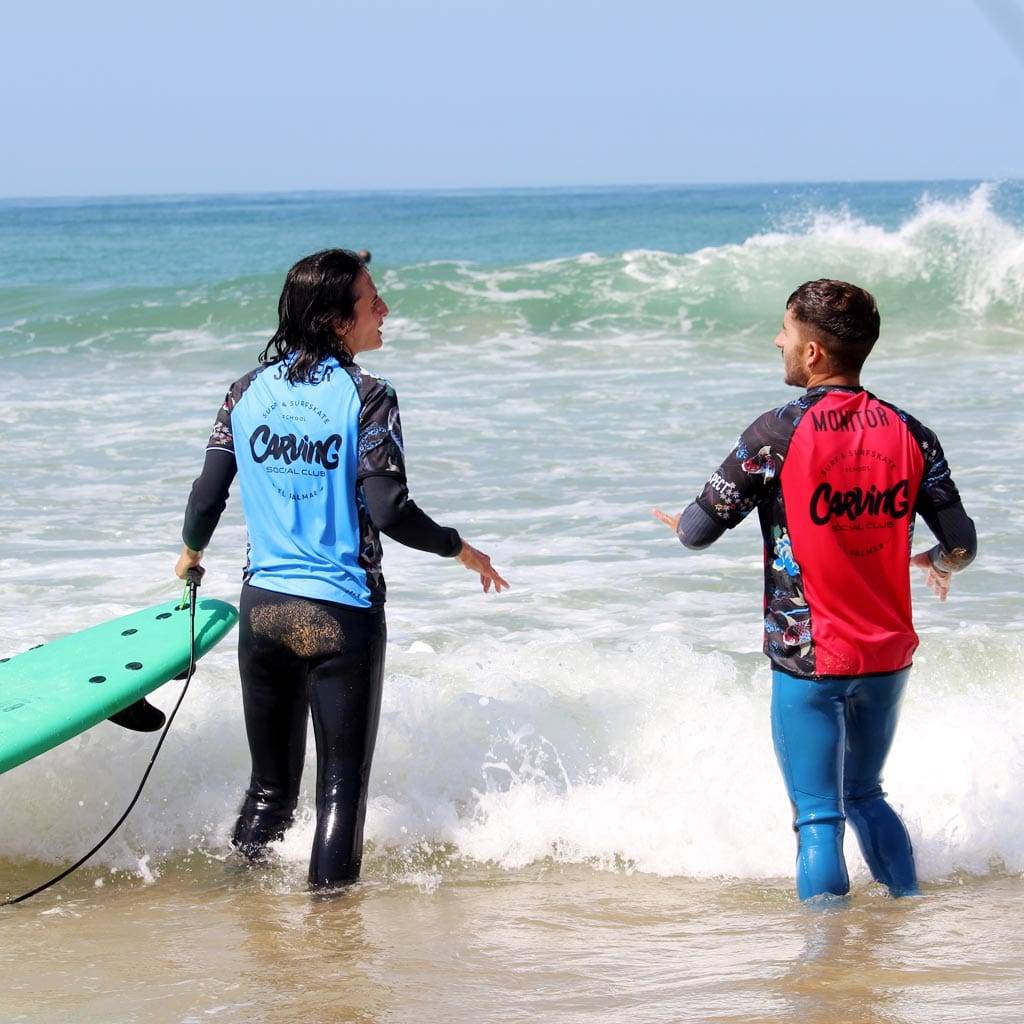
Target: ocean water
575,811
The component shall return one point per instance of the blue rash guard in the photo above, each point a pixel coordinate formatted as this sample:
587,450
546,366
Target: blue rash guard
306,455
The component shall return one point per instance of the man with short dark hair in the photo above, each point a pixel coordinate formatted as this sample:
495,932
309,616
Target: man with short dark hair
837,476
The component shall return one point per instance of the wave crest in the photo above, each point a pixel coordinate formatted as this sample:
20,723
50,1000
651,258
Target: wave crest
954,263
952,270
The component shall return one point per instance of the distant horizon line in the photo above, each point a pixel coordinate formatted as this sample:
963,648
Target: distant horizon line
489,189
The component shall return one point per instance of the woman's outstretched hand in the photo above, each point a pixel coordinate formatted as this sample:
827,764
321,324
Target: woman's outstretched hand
478,562
188,559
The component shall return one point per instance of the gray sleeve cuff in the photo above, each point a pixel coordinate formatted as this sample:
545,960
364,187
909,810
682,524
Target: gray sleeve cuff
697,528
949,561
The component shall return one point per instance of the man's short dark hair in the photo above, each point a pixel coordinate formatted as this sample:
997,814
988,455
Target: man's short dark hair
844,316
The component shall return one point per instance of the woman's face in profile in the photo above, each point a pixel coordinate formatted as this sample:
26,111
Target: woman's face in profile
363,332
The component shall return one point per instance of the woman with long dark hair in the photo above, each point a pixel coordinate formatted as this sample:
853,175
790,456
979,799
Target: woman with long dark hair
317,445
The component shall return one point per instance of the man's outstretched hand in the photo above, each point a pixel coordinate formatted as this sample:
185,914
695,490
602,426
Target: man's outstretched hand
668,520
938,581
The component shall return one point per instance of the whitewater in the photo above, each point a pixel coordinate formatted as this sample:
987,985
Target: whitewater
565,360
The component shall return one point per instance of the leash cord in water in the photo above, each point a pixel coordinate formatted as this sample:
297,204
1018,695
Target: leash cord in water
190,591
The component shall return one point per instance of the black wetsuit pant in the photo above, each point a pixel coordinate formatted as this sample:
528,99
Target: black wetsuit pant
297,656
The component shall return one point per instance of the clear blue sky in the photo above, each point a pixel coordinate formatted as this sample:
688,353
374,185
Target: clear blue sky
117,97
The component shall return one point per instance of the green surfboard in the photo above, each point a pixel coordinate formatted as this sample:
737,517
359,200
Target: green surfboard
59,689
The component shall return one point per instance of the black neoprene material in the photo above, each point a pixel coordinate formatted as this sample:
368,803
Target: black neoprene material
954,530
297,657
395,514
208,498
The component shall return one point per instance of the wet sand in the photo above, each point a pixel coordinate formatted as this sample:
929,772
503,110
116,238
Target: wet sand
211,940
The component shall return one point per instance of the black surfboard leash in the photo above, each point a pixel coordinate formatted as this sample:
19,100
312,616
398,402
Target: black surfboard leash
192,578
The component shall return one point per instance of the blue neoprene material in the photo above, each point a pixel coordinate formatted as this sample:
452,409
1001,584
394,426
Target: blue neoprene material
832,737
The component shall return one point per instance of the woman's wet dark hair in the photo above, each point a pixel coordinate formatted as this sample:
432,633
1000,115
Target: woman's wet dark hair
845,317
319,295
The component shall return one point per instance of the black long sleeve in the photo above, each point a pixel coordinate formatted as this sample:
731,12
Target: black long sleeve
938,503
395,514
208,497
955,532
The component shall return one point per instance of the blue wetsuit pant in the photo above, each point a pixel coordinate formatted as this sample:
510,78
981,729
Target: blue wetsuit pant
832,737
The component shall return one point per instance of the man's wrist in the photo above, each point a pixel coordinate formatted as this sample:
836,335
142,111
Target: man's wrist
936,556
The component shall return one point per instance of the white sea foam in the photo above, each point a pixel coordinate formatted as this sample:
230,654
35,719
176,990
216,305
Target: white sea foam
655,758
963,244
954,259
612,707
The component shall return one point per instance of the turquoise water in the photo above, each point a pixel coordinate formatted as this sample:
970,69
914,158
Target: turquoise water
477,263
565,359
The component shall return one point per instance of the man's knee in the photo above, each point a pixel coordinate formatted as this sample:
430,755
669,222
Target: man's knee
862,793
816,810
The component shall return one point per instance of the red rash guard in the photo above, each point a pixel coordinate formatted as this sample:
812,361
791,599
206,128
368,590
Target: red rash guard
837,476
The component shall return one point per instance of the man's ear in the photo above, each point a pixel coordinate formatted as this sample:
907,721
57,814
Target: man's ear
815,356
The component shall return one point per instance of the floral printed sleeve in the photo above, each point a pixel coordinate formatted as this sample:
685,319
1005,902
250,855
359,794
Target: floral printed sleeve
381,448
747,476
221,437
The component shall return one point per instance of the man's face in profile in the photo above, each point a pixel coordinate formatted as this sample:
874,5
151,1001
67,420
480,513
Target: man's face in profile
792,341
